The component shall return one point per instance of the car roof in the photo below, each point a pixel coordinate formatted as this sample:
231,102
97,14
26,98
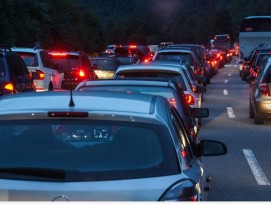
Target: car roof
39,104
26,49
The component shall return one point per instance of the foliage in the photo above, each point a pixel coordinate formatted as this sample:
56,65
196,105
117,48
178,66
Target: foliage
90,25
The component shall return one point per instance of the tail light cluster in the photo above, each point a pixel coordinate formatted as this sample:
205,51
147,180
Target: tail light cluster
9,87
264,89
189,99
185,190
40,74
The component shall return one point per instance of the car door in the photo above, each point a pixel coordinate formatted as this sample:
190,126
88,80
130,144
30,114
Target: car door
191,165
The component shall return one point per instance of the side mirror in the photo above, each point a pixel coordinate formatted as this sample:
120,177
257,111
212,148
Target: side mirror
211,148
201,79
200,112
250,79
200,89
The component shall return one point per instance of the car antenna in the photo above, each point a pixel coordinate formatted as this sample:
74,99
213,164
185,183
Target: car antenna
71,104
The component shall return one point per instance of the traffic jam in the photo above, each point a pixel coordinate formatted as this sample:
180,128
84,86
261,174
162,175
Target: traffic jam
136,123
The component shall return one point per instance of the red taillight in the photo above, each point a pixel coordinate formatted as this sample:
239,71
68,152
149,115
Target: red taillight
146,60
59,54
81,73
183,153
189,99
172,101
9,87
40,75
264,89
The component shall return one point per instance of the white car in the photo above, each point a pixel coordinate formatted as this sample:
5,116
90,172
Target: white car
98,146
39,61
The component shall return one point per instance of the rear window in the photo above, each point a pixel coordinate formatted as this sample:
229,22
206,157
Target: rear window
30,59
66,62
152,75
103,64
156,90
175,56
85,150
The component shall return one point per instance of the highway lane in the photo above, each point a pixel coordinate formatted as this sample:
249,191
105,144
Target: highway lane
244,174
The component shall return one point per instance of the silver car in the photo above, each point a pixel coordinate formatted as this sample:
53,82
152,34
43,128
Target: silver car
98,146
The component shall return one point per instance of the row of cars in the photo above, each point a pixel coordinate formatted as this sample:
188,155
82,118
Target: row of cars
256,70
134,137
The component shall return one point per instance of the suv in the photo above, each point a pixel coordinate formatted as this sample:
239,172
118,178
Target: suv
75,66
38,60
14,75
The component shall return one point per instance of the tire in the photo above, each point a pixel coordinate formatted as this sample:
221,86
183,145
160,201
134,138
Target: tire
258,118
251,112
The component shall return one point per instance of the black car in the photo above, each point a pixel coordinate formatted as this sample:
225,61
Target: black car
75,66
14,75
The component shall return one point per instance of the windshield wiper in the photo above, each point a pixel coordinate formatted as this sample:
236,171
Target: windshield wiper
35,172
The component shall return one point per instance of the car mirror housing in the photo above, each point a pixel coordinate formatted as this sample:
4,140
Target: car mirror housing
201,89
200,112
211,148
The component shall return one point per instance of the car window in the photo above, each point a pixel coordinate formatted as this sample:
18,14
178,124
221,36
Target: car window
67,62
103,64
175,56
2,67
268,75
184,140
17,65
30,59
46,59
74,149
146,74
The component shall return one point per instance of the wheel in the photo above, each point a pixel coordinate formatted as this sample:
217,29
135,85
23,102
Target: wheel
258,118
251,112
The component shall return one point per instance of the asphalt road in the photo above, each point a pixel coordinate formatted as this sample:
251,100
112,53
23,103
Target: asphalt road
244,174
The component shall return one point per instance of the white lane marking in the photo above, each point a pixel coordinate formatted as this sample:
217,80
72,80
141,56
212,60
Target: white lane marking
225,92
226,81
255,168
230,112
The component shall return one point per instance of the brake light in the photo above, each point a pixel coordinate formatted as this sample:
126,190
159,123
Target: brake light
264,89
40,74
189,99
132,46
146,60
81,73
172,101
58,54
9,87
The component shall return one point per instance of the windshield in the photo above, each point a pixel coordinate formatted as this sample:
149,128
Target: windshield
75,150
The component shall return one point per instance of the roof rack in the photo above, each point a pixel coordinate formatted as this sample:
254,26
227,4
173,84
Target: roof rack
5,47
